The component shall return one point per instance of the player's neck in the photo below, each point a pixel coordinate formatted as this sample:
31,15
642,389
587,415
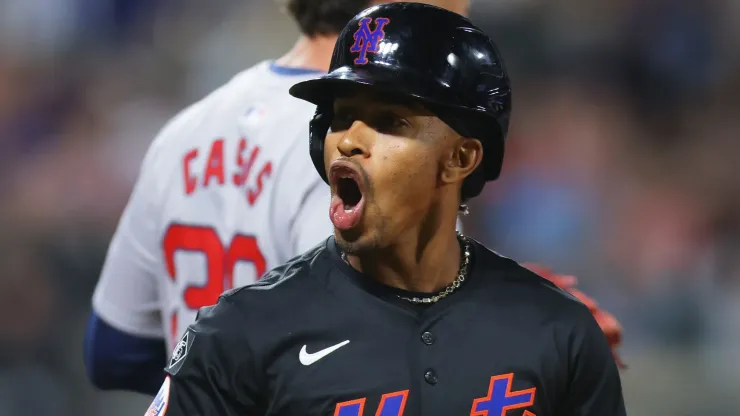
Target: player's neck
310,53
426,258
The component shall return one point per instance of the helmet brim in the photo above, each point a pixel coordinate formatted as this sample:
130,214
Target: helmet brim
398,82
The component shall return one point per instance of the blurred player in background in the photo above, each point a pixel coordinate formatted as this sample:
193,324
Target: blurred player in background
225,193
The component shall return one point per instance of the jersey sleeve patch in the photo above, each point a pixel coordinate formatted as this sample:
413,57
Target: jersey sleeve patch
159,405
180,352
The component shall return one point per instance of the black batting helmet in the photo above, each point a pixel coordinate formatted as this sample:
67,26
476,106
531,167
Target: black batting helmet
428,54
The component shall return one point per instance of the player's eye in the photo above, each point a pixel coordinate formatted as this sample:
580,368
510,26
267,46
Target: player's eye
342,121
390,123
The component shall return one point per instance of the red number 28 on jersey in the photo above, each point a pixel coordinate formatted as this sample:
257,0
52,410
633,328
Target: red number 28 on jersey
220,262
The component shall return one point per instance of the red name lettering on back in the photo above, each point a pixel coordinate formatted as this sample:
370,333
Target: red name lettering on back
215,169
191,182
215,164
255,192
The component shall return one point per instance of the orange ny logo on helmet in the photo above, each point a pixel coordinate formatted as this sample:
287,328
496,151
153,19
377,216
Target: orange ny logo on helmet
366,40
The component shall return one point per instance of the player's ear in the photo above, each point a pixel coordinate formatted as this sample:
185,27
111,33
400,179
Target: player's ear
462,160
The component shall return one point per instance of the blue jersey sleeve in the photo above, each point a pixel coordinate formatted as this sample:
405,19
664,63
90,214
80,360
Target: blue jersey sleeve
116,360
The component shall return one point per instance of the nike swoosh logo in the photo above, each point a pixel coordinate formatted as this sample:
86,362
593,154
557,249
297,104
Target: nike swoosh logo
308,359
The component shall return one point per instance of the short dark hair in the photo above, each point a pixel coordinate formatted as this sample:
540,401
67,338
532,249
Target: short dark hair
324,17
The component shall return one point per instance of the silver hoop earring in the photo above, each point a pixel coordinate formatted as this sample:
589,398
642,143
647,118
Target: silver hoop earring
463,209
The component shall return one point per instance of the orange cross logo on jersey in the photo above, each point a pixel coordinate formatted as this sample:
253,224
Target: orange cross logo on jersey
501,399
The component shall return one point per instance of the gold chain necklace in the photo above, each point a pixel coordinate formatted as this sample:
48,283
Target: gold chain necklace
462,274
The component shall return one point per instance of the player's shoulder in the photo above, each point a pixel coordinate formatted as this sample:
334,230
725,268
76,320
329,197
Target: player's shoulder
284,285
214,109
274,299
528,289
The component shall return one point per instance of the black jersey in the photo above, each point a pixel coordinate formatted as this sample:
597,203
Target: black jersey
316,337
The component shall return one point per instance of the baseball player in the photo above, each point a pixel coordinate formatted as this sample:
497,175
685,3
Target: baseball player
224,194
397,313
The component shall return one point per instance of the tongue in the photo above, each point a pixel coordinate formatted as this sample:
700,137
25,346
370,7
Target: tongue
342,218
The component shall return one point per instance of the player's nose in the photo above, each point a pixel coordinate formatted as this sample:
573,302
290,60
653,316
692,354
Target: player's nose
356,140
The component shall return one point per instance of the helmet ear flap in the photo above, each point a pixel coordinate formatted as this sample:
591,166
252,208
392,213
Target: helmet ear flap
318,128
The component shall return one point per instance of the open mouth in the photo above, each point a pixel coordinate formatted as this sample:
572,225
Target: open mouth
349,191
347,202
